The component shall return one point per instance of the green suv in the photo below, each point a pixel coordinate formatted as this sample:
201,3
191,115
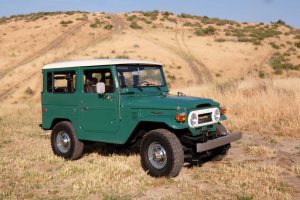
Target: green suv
120,101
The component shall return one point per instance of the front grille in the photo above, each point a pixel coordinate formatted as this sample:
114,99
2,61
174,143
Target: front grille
203,118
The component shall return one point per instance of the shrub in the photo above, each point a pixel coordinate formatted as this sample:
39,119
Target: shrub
184,15
108,27
123,56
131,18
279,62
66,23
152,14
210,30
261,74
280,22
297,44
187,24
93,25
135,25
217,21
275,46
220,40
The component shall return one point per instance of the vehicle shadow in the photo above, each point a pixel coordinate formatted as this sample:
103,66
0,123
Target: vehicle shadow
105,149
198,162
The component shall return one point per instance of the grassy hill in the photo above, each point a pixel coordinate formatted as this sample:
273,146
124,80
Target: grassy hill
254,69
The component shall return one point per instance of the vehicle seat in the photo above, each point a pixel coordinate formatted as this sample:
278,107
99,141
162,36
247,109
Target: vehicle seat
90,85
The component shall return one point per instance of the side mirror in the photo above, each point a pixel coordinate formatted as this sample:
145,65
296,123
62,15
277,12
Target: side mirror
100,88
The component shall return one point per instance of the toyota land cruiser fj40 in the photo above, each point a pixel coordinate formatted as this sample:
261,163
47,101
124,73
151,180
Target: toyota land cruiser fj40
126,102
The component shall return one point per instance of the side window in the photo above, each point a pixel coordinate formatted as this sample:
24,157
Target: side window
61,82
92,77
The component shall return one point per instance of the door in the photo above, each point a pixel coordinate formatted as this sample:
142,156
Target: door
99,112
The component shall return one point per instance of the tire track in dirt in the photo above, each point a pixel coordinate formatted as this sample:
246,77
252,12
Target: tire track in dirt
6,93
200,70
118,23
118,27
52,45
201,76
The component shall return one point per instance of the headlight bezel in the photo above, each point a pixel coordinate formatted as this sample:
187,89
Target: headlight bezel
214,112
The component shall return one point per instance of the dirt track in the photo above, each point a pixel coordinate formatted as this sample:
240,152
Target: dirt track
118,26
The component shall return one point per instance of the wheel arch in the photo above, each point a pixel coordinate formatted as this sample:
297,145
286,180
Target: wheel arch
58,120
145,126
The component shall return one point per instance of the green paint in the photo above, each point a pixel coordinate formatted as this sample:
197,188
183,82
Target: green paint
112,117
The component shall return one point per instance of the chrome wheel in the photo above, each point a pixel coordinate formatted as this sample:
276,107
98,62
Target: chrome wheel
63,142
157,155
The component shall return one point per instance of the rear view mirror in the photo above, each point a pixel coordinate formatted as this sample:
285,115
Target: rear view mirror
100,88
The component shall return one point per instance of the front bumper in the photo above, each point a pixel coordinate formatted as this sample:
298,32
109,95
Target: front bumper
218,142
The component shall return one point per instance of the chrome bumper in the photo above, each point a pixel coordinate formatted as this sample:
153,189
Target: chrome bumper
212,144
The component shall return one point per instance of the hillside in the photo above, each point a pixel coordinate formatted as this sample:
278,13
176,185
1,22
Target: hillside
193,49
253,69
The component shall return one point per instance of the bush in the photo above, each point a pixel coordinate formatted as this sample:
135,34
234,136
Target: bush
275,46
66,23
123,56
184,15
297,44
220,40
152,14
279,62
108,27
217,21
135,25
131,18
210,30
280,22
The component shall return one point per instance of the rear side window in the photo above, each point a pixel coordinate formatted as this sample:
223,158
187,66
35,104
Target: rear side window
61,82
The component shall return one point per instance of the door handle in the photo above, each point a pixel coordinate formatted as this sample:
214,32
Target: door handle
84,108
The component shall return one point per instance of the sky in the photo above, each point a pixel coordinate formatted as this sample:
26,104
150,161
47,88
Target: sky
239,10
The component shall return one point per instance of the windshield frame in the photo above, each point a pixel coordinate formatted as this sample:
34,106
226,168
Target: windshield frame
138,66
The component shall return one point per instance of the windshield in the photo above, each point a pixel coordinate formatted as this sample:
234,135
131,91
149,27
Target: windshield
140,76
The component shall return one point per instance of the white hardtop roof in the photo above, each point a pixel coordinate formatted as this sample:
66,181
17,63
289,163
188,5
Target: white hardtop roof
97,62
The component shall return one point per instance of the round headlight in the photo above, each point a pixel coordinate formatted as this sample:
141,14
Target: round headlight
193,119
217,115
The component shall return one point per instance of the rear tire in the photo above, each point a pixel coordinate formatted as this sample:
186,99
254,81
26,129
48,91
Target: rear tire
161,153
64,142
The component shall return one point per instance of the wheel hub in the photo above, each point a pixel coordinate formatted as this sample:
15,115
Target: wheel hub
157,155
63,142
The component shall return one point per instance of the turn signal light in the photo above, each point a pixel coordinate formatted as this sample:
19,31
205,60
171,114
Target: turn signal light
180,117
223,110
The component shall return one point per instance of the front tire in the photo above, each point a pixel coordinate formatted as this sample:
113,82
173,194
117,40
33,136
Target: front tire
161,153
64,142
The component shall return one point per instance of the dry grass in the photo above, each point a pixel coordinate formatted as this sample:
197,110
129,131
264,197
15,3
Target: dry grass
267,106
245,179
29,170
260,151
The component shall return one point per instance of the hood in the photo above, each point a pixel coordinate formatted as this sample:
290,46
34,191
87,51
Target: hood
169,102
